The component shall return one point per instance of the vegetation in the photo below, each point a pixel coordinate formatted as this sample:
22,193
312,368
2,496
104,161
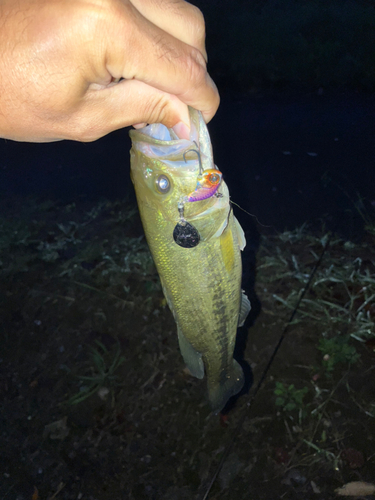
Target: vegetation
96,402
290,398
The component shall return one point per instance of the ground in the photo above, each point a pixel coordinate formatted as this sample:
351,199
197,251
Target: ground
96,402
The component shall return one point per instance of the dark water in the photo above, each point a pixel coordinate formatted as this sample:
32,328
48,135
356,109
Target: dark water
274,151
264,152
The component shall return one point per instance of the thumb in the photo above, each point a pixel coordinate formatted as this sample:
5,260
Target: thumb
126,103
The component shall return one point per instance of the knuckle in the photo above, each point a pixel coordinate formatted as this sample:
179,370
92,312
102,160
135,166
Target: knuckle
160,109
194,25
192,21
195,67
198,24
157,109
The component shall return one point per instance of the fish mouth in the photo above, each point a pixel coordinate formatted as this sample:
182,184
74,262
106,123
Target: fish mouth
156,141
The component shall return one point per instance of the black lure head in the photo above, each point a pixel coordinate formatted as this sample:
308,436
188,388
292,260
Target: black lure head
185,234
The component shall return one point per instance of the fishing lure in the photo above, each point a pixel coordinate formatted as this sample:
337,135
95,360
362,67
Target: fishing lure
208,182
207,185
185,234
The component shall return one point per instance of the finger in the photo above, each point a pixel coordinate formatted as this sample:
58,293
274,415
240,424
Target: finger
161,61
180,19
127,103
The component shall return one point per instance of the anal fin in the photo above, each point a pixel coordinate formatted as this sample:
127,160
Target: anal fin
245,308
192,358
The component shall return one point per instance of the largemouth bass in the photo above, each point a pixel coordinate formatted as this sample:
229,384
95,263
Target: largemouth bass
196,243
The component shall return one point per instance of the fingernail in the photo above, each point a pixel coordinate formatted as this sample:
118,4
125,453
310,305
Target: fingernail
139,125
182,130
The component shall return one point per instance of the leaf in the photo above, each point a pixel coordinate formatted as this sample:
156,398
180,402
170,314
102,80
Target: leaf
290,406
279,392
356,488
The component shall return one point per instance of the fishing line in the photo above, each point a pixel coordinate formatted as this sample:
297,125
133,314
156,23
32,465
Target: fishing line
245,412
248,213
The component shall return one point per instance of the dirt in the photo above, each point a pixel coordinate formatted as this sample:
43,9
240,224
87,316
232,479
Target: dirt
96,402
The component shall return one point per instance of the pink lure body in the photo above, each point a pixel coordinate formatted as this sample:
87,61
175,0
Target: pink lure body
207,185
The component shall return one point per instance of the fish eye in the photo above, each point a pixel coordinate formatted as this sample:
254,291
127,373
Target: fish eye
163,184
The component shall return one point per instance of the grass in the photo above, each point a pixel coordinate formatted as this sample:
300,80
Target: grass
84,322
336,351
103,380
343,289
340,311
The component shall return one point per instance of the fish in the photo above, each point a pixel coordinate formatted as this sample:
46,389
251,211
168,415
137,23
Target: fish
196,242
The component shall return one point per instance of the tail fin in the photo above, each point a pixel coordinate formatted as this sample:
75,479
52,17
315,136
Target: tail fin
219,394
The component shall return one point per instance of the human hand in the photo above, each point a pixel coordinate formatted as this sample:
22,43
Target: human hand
60,62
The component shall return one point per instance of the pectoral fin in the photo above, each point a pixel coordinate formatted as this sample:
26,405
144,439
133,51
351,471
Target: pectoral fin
240,234
245,308
192,358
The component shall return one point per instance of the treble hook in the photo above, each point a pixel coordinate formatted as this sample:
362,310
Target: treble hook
199,157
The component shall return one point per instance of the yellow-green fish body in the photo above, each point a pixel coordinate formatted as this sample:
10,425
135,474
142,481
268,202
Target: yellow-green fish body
202,285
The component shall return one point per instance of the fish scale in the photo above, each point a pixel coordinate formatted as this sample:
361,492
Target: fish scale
202,285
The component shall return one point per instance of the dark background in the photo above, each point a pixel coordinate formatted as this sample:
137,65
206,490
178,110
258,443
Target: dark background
294,135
